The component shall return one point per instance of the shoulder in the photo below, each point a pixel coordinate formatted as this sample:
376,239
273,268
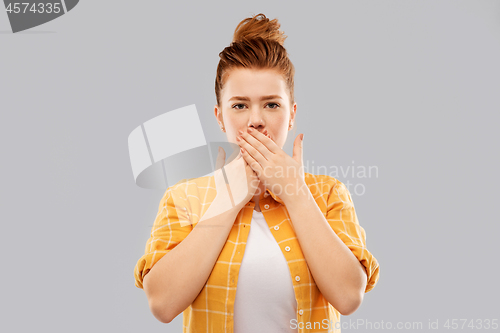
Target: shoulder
323,183
328,192
201,187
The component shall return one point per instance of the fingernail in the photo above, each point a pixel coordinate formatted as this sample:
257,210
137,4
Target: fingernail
302,137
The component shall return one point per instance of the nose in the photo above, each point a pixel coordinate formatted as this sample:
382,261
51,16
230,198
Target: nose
257,120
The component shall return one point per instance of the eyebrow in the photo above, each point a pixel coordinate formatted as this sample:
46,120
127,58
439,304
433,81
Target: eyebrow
263,98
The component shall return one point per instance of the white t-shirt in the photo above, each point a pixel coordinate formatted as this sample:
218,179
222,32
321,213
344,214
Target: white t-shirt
265,299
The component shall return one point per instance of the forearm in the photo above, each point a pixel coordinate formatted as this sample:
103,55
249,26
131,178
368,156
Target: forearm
175,281
337,272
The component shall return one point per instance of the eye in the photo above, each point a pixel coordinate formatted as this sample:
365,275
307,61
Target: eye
237,105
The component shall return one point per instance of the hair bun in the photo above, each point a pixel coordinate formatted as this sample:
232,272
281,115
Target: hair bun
259,26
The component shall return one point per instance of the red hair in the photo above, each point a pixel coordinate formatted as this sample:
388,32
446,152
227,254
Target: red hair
257,44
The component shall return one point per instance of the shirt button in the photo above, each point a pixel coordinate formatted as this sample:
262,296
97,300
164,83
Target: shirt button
287,248
297,278
301,312
276,227
266,206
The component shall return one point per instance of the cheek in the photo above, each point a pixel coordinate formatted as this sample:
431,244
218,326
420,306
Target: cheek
234,123
283,126
232,132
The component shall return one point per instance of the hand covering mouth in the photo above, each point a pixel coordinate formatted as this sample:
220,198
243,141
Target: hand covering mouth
266,133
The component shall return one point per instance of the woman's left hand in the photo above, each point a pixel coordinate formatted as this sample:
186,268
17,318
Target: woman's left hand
280,173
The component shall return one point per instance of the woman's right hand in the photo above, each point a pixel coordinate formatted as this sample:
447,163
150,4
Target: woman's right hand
242,180
241,187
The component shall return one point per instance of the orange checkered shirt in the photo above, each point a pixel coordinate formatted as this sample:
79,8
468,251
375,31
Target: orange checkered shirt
212,310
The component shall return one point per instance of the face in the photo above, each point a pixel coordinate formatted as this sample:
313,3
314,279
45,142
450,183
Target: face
258,99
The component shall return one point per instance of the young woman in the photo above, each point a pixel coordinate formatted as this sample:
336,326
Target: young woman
274,249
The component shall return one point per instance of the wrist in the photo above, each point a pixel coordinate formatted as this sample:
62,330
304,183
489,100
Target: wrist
299,194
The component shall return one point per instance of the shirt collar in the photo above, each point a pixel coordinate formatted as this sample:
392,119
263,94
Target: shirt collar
265,196
274,196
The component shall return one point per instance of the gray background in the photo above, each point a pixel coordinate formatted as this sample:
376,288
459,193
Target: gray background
411,87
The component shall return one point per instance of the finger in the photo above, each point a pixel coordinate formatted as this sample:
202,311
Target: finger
298,149
255,149
242,151
256,167
266,140
221,159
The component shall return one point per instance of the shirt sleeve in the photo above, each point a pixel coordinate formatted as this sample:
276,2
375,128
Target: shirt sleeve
171,226
341,216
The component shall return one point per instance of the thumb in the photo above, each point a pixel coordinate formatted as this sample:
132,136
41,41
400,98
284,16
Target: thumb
221,159
298,148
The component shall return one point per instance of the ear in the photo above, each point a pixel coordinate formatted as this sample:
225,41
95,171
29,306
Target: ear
216,111
218,114
293,112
